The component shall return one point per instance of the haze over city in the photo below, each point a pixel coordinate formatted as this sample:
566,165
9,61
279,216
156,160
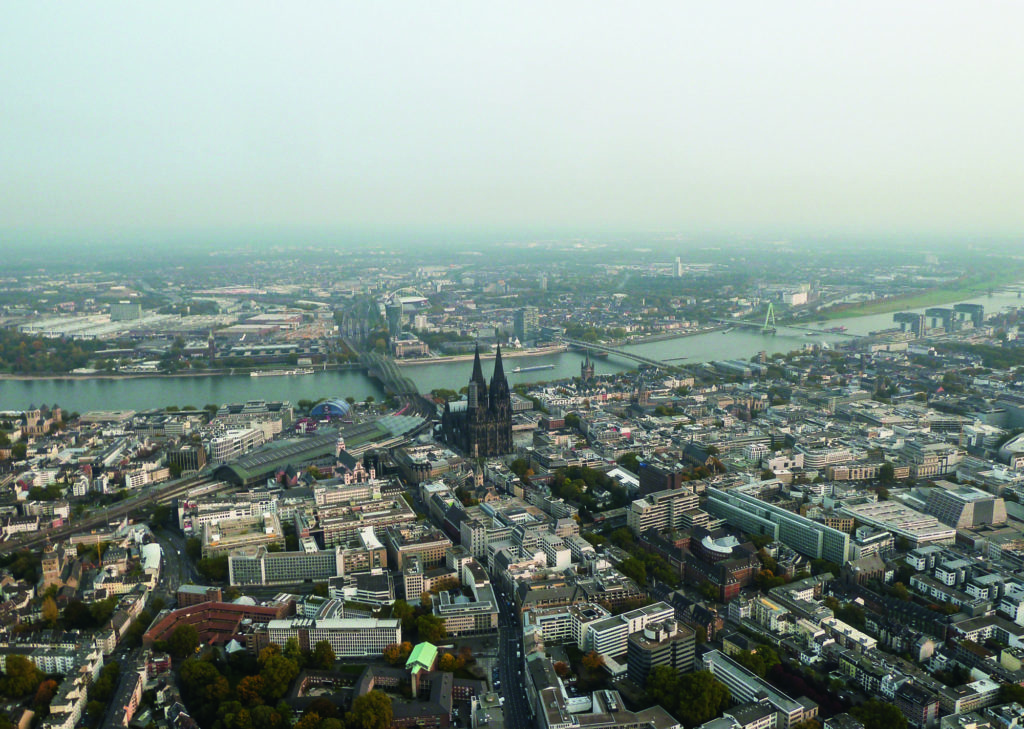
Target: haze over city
484,365
350,120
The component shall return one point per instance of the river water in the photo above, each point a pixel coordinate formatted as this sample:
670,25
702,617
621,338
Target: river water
151,392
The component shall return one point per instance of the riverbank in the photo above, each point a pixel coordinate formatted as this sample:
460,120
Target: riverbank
505,354
665,336
967,288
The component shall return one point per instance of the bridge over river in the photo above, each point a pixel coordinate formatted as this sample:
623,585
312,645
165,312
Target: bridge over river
638,358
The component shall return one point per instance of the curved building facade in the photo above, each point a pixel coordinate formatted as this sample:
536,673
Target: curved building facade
333,408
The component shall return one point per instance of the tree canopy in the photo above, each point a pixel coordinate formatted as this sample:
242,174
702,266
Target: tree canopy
693,699
183,641
875,714
370,711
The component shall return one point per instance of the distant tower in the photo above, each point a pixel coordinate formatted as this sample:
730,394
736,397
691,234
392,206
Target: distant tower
211,346
679,267
394,313
587,368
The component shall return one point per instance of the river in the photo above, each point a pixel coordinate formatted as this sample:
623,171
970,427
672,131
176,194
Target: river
152,392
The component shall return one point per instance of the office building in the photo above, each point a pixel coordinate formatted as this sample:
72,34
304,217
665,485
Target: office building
662,510
526,323
125,311
189,595
349,637
747,686
917,528
610,637
426,543
964,507
910,321
658,476
754,516
187,459
258,566
394,315
669,643
224,537
234,443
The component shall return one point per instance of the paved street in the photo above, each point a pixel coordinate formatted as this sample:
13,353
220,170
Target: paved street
510,666
177,568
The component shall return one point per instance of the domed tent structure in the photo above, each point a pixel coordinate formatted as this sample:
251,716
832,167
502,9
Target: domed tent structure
333,408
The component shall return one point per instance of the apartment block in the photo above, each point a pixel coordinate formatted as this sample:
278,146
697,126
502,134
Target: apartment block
662,510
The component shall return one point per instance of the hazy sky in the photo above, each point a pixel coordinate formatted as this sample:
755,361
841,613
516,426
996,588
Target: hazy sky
803,116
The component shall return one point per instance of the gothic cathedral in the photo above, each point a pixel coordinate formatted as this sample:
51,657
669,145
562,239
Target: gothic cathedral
481,425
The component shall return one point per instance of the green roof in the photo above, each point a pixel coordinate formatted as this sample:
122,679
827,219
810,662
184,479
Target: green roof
422,657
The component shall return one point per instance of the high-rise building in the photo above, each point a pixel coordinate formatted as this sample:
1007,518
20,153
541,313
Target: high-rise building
661,510
125,311
679,267
526,323
394,316
668,643
481,425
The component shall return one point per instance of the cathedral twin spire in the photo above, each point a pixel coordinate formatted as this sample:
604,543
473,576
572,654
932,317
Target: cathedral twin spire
484,428
482,396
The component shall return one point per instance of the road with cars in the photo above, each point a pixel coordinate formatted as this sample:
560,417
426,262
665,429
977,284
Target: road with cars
510,681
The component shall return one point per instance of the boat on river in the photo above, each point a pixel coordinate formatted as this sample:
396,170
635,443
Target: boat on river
281,373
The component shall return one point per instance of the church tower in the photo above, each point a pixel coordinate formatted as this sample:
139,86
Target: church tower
587,368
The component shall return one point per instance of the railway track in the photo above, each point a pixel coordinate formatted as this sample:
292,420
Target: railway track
141,501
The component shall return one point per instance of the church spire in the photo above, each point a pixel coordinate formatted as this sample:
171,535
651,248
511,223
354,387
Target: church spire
478,371
499,370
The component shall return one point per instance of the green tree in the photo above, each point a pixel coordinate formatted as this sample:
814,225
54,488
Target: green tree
292,651
634,569
886,472
629,461
370,711
708,590
431,628
21,677
194,548
203,684
309,720
278,673
267,717
214,568
1010,693
875,714
250,690
702,697
183,641
663,687
323,656
234,715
